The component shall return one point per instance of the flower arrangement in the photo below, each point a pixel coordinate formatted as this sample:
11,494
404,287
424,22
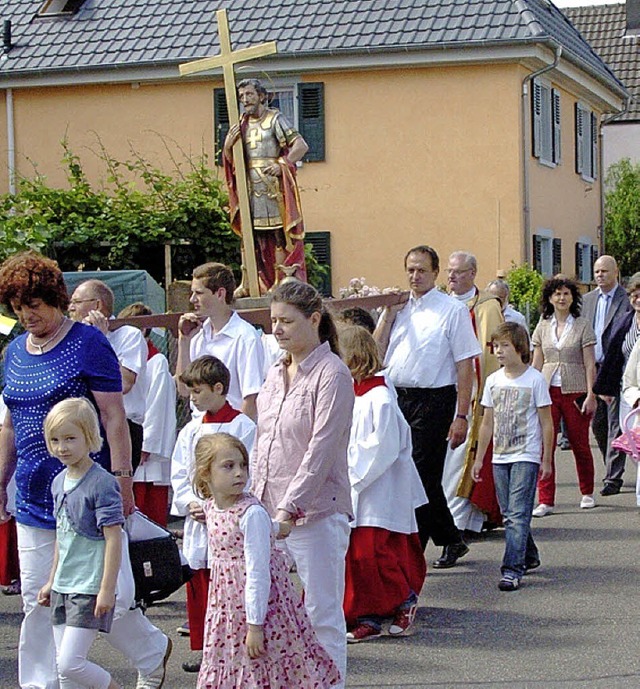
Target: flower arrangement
358,288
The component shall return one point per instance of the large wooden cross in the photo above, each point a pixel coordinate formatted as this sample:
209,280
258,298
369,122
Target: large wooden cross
227,60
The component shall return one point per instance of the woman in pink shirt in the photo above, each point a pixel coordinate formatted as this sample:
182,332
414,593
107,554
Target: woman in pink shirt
299,463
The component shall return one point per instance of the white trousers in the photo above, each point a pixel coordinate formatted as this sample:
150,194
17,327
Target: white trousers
72,648
139,641
319,549
624,410
465,515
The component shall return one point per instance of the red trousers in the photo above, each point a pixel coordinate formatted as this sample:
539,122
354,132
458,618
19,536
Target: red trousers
197,599
564,407
382,569
152,500
9,566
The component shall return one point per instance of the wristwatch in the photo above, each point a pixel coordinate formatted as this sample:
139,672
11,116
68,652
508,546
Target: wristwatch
462,416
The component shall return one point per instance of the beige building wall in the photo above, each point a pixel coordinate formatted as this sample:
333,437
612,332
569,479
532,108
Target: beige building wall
428,155
419,156
117,117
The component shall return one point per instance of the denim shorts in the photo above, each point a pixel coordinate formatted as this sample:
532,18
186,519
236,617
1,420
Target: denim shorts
76,610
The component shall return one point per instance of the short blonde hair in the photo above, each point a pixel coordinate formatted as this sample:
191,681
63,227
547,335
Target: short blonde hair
80,412
359,352
206,452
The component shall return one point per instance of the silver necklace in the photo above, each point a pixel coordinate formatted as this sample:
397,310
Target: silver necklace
41,347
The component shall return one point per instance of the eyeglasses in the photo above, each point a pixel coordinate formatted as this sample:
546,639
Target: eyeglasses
75,302
456,273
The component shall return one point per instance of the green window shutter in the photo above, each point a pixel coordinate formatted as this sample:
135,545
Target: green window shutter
220,122
321,244
594,257
536,117
579,248
594,145
579,136
555,114
311,119
537,253
557,256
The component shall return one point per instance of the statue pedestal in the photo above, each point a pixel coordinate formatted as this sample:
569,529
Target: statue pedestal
249,303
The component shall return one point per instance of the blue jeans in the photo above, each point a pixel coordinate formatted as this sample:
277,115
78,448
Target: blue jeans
516,491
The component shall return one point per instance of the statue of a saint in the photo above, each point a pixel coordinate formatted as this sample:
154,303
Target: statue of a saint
272,147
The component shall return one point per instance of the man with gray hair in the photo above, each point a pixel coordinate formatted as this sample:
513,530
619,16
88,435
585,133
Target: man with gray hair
469,502
601,307
499,288
92,303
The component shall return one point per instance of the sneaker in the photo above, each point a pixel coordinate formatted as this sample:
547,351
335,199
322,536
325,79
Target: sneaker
183,629
509,582
587,502
155,680
14,588
363,632
402,620
542,510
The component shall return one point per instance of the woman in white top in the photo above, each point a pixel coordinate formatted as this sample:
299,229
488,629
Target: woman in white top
564,350
631,393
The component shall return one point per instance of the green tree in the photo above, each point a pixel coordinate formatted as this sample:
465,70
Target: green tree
525,286
622,214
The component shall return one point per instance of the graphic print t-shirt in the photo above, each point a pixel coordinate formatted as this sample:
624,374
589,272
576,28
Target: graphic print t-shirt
517,433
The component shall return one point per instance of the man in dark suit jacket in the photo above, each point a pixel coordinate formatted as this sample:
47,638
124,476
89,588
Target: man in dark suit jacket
600,307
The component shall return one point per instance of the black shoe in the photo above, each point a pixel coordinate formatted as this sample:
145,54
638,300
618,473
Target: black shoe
451,554
564,444
191,666
532,564
610,489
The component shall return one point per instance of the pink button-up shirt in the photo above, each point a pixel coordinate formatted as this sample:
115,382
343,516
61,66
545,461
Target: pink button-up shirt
299,460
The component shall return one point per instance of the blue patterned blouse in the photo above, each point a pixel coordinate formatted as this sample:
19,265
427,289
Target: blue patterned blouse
82,363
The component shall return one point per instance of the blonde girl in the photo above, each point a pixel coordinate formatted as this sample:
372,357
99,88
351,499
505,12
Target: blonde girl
89,518
385,565
256,631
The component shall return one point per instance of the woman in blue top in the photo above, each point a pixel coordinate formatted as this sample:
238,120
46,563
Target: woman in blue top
54,359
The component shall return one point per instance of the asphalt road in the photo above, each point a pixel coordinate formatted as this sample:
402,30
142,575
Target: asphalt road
574,623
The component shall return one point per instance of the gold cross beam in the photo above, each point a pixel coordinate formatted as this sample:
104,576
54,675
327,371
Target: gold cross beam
227,60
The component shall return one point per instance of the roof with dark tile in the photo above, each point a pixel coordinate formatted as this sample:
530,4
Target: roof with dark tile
604,27
117,33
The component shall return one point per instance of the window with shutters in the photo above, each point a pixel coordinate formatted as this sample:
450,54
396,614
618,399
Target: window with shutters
586,254
586,128
547,253
546,121
302,105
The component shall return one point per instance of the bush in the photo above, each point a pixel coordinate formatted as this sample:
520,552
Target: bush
525,285
125,223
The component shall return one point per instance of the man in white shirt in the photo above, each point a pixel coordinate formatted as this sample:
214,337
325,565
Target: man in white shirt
92,303
601,307
500,289
472,504
430,346
213,327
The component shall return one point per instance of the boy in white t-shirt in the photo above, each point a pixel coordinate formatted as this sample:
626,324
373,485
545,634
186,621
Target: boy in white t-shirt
517,414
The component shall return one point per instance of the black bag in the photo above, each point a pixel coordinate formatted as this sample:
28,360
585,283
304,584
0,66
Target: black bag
156,562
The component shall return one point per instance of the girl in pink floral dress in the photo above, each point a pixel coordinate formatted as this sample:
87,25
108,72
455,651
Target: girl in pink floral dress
257,634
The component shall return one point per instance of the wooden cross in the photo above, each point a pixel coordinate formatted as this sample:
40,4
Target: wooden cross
227,59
